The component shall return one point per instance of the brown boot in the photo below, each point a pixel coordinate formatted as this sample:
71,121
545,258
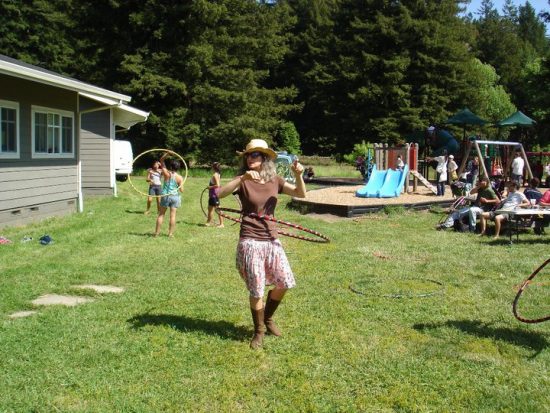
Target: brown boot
270,307
259,328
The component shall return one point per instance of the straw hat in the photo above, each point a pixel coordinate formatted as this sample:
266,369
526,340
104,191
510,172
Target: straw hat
259,145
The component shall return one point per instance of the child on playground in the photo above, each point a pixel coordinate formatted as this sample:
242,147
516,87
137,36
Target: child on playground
400,163
153,177
213,200
261,259
171,188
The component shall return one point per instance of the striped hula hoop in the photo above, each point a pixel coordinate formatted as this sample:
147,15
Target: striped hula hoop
320,238
518,295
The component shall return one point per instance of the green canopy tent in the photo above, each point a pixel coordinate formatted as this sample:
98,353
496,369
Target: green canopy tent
516,119
466,117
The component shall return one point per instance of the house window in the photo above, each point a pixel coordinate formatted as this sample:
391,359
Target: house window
53,133
9,129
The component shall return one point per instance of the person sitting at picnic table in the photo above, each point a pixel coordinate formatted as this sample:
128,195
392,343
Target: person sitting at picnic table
543,222
514,200
532,192
485,200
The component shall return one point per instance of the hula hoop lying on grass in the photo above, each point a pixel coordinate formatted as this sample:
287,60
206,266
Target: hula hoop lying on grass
320,238
520,292
403,294
158,150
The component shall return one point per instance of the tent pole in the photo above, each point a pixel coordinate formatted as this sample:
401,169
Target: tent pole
464,158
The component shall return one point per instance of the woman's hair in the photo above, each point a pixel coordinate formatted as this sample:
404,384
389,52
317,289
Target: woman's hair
173,165
216,167
267,172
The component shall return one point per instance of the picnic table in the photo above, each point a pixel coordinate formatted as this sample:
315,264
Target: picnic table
517,216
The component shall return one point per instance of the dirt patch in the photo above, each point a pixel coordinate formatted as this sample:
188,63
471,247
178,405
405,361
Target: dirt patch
100,288
22,314
55,299
326,217
345,195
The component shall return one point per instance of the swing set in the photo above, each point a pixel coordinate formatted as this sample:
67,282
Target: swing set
500,159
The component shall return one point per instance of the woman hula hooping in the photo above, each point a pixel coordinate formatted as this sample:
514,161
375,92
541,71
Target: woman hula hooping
171,188
261,259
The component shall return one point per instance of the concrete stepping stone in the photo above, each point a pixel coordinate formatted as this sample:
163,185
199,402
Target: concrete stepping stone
100,288
56,299
21,314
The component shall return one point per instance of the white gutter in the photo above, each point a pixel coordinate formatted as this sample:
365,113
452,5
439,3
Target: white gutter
52,79
124,115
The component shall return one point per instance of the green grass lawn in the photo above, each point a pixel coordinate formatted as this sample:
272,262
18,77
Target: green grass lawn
177,338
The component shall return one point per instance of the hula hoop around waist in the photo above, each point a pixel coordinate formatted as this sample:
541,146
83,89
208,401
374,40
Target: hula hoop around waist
320,237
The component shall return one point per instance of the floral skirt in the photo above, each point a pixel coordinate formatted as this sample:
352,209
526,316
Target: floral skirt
262,263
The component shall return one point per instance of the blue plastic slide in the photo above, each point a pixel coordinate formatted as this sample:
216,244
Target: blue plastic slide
371,189
394,182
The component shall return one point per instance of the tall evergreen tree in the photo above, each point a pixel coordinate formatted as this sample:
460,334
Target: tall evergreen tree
37,32
375,70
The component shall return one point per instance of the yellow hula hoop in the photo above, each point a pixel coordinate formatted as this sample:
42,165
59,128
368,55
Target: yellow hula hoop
158,150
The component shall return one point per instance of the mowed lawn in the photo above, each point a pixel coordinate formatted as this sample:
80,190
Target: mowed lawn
177,338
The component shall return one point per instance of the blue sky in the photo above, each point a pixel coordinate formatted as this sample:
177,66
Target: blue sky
538,5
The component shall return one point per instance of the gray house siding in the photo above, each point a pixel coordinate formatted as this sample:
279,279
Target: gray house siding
95,153
36,188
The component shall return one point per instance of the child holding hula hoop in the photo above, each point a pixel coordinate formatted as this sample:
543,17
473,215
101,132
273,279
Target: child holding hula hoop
213,200
171,187
261,259
153,177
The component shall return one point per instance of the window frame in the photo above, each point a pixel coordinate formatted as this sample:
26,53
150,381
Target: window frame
62,114
8,104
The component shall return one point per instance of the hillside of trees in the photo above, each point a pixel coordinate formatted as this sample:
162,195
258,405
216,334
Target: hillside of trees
331,73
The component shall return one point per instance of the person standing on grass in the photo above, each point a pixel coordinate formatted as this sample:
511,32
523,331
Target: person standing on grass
452,168
153,177
517,169
213,200
441,170
261,259
171,188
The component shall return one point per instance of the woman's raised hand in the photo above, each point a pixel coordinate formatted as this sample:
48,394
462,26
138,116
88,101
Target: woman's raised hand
252,175
297,168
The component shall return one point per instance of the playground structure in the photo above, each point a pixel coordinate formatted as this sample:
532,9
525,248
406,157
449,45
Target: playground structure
495,160
386,181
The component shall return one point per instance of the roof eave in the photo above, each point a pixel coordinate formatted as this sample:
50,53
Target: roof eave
12,69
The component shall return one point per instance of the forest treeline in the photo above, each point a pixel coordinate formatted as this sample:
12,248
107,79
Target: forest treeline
315,75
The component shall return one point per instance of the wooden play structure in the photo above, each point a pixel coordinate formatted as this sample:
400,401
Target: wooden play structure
385,157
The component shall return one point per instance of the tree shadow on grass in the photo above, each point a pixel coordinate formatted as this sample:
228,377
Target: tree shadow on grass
184,324
518,337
